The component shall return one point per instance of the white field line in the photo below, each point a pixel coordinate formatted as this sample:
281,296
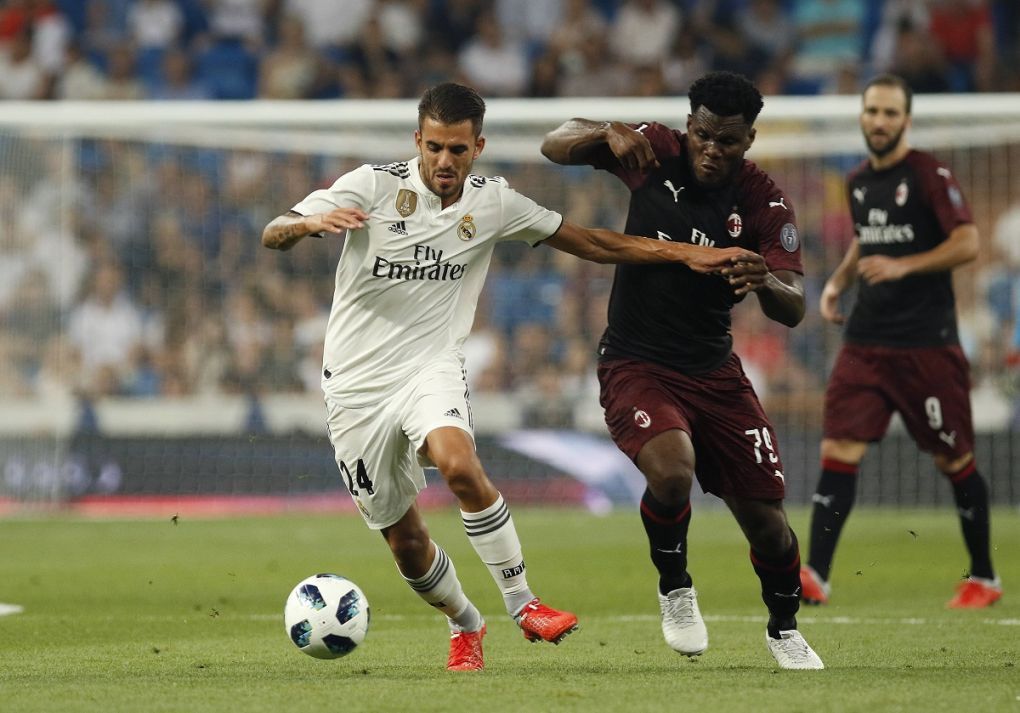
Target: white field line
6,609
848,620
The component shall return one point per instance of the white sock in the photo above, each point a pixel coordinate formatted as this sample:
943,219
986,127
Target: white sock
494,538
441,588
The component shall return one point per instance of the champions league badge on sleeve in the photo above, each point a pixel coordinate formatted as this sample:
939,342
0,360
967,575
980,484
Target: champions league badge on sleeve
788,238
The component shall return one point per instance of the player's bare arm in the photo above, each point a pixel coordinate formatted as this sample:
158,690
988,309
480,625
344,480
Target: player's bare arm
843,276
609,247
958,249
285,231
780,293
575,140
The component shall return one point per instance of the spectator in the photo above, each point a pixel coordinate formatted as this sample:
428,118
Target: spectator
239,20
593,72
918,61
491,63
642,31
331,24
155,24
123,82
290,70
178,80
963,29
830,35
106,330
686,61
81,79
21,76
767,28
530,22
896,15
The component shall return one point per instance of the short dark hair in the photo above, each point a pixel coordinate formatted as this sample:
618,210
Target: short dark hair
726,94
451,103
892,80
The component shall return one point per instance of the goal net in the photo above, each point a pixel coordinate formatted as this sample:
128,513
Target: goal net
153,354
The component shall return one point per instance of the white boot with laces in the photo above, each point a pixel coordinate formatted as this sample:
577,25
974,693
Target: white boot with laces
682,625
791,651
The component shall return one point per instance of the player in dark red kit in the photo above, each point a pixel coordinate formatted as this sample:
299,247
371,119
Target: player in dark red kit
901,352
676,397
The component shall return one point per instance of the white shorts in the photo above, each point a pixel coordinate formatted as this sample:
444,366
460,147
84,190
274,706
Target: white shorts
377,446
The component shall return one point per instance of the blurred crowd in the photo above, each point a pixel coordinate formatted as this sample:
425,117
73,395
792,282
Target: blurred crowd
134,269
315,49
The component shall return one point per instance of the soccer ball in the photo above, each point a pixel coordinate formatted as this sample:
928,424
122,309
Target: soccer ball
326,616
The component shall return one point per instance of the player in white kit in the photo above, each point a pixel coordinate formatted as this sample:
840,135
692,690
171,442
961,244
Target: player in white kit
420,235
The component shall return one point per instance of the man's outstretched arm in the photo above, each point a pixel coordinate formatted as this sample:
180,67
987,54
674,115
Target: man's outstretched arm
609,247
285,231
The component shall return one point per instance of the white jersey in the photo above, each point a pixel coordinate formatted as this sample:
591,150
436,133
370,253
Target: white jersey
408,282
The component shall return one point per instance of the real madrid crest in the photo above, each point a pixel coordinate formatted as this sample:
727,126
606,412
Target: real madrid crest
407,201
734,225
467,229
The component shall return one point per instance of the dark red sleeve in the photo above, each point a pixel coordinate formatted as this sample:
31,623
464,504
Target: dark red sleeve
942,192
773,221
665,143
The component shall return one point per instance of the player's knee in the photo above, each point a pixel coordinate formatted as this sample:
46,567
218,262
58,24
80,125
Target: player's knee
951,466
844,451
464,476
670,485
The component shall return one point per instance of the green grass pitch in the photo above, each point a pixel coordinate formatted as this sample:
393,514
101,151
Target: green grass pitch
148,616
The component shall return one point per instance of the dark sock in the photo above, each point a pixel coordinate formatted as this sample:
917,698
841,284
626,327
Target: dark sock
971,496
780,586
833,500
666,526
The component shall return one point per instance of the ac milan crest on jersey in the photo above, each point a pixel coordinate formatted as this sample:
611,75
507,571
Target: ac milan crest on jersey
734,225
642,419
902,193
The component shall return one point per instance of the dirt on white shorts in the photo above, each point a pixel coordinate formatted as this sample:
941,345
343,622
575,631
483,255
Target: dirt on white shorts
376,446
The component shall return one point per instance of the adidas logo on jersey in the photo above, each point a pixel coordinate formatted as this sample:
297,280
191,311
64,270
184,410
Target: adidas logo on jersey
454,413
400,228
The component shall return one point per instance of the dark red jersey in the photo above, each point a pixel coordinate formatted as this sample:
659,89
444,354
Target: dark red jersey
909,208
668,314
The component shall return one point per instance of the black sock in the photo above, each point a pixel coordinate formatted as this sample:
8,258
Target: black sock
971,496
780,586
666,526
833,500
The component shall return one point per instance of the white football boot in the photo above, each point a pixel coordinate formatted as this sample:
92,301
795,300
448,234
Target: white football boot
792,651
682,625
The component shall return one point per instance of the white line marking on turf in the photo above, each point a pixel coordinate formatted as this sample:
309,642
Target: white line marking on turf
847,620
6,609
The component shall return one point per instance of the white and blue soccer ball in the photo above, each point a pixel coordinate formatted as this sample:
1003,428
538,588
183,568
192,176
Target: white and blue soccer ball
326,616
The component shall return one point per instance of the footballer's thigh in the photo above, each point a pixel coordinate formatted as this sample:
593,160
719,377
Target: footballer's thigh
378,464
438,423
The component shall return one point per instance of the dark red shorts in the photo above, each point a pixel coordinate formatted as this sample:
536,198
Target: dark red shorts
928,386
734,444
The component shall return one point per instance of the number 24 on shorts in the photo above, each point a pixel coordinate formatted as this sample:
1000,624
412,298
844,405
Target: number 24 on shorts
359,479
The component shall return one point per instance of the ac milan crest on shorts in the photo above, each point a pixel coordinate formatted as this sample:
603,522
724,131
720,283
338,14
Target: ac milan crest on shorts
735,446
